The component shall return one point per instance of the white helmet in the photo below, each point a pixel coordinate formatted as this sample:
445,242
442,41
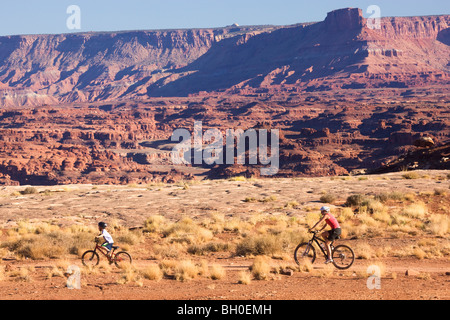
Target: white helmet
326,209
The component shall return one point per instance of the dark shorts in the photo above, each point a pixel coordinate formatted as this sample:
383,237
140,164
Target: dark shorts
334,234
108,246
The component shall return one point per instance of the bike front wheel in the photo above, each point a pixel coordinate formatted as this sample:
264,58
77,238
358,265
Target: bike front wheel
90,258
305,253
343,257
122,260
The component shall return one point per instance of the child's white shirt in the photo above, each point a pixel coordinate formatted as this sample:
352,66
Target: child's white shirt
107,236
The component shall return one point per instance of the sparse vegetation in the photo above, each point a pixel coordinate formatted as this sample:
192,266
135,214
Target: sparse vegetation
187,247
260,268
411,175
328,198
29,190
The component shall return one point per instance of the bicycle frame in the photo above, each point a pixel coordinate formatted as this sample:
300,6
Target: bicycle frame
317,240
104,251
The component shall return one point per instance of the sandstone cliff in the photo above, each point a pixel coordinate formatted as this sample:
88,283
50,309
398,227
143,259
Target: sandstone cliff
49,69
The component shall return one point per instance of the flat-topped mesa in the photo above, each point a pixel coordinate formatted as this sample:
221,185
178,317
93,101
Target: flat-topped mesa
344,19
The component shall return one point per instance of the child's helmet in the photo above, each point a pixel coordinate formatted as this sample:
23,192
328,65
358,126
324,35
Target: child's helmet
102,225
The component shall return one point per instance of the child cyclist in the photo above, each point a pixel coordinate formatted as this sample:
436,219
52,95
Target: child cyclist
328,236
105,237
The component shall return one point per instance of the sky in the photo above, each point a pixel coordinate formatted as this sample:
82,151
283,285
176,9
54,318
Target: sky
50,16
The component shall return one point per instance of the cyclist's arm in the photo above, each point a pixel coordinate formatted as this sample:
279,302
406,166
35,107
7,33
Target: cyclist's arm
320,221
324,226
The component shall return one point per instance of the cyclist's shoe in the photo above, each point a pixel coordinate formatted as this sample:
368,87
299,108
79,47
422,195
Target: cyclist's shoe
329,261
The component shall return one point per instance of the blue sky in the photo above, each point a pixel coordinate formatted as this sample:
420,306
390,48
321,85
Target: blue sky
49,16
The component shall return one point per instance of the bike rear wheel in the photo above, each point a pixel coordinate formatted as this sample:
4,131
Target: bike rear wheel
90,258
122,260
305,253
343,257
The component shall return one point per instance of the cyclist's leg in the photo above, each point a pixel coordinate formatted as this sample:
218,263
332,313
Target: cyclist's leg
109,247
325,235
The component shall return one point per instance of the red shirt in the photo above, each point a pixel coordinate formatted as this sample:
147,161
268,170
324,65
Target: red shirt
332,221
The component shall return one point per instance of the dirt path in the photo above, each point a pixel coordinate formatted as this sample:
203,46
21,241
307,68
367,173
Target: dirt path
430,281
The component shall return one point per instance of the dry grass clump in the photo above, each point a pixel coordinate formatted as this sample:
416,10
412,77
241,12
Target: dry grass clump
411,175
154,224
260,268
152,272
245,277
356,200
185,270
217,272
328,198
187,231
202,249
168,250
438,225
415,210
292,204
364,251
130,275
265,244
29,190
128,237
22,274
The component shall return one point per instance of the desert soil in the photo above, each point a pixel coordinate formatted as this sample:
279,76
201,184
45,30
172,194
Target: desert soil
131,205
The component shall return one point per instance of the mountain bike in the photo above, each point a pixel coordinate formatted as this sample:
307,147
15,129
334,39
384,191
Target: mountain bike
342,255
91,258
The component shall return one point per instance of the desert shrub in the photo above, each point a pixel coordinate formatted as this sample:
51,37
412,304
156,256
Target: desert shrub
29,190
259,245
269,199
291,204
364,251
128,237
395,195
154,224
411,175
129,274
438,225
245,278
185,270
152,272
187,231
202,249
415,210
328,198
345,214
168,250
217,272
356,200
260,268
